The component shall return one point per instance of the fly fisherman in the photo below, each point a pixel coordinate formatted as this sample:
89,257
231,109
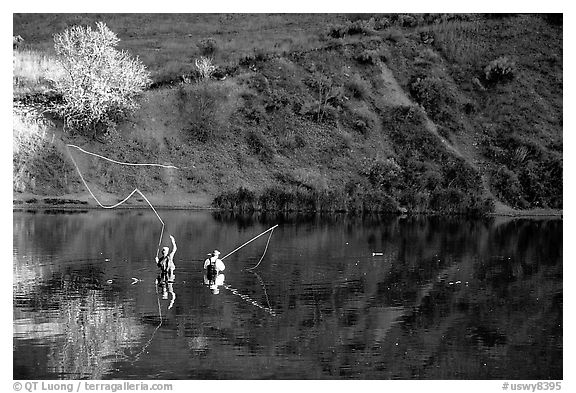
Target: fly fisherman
212,277
166,260
214,265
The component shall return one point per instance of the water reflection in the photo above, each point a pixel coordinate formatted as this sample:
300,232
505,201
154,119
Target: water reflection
214,281
335,297
166,285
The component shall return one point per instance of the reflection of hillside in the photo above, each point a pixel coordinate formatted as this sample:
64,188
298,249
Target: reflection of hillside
83,331
476,301
418,310
448,298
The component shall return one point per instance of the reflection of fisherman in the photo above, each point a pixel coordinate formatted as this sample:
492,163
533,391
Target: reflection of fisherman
167,287
212,277
166,261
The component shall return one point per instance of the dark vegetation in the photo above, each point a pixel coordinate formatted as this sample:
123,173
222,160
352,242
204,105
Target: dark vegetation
311,121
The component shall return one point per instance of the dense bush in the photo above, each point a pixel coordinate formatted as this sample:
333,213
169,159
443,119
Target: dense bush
207,47
201,106
405,20
38,166
427,57
367,57
542,183
358,26
381,23
240,200
363,119
533,174
258,145
500,70
505,185
101,84
433,94
327,97
384,174
282,199
450,200
357,87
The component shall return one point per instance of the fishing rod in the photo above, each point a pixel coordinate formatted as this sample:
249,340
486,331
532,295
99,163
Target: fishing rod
248,242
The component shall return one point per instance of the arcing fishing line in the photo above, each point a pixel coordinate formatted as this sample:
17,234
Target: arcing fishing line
119,162
128,197
265,249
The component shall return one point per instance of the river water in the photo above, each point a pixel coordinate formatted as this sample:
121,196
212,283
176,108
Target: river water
334,297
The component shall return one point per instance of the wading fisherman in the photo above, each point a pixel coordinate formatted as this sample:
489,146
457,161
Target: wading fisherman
166,260
213,267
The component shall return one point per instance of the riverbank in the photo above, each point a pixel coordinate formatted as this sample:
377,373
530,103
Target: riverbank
31,202
369,114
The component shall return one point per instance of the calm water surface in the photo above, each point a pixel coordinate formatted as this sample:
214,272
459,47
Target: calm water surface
425,298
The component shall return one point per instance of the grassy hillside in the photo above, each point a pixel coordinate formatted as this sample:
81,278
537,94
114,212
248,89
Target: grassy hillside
313,112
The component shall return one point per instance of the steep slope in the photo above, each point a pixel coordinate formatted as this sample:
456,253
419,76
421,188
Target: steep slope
366,118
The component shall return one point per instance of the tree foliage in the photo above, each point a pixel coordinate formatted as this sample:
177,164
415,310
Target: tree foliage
102,84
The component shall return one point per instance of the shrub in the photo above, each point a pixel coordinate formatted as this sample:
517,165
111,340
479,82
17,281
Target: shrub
384,174
405,20
500,70
360,27
506,187
381,23
37,165
336,31
258,145
355,27
207,47
459,174
101,84
205,67
363,119
533,184
427,57
379,202
203,108
34,72
433,94
456,201
252,109
367,57
357,87
241,200
326,95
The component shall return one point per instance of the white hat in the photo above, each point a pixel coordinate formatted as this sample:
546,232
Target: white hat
216,252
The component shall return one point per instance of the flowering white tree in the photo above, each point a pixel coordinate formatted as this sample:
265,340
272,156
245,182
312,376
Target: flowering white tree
101,84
